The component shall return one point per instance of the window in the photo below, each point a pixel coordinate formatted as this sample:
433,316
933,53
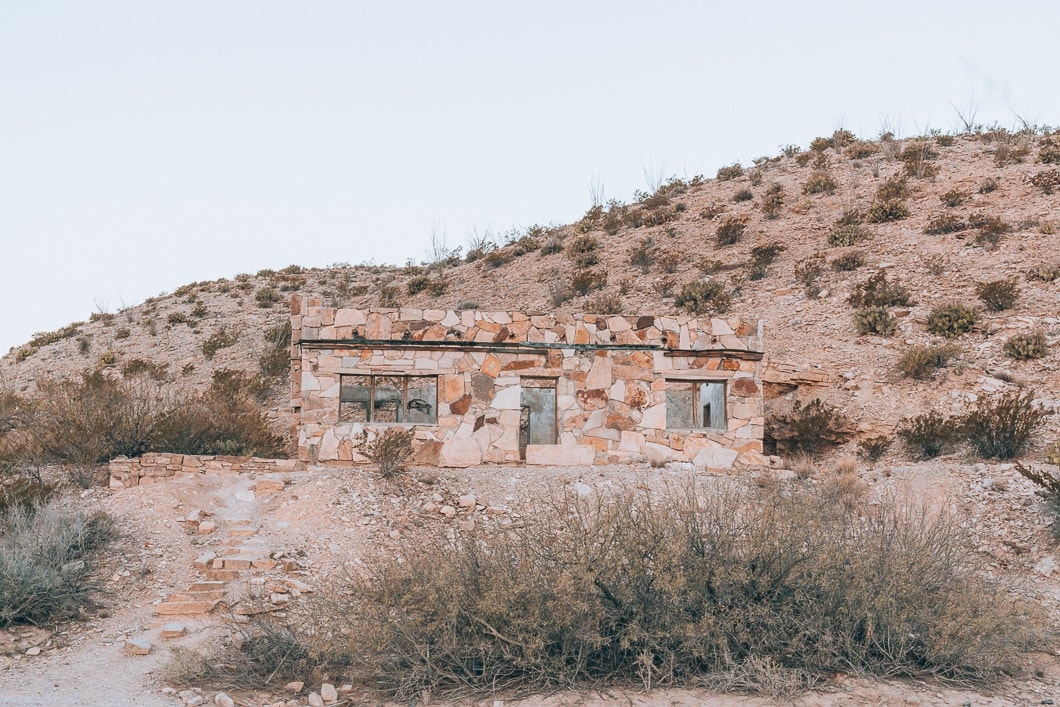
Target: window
410,400
695,404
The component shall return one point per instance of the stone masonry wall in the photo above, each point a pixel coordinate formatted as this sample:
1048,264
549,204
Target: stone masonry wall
155,467
610,372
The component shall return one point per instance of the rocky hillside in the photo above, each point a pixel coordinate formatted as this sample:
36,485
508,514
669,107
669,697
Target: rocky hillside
790,239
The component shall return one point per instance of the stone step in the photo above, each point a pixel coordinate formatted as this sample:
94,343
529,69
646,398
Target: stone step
222,575
206,586
212,595
237,522
233,562
242,532
171,608
203,561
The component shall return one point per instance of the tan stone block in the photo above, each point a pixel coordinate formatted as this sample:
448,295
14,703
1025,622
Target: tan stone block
599,376
491,366
460,453
560,454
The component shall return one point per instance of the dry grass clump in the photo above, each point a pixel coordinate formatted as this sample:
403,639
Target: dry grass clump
998,295
583,251
731,230
729,173
45,562
389,448
954,197
847,235
585,280
886,211
764,589
1047,181
773,201
807,271
762,256
848,262
990,229
743,195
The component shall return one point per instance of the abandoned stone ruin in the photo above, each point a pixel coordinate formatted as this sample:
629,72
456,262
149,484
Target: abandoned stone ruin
512,387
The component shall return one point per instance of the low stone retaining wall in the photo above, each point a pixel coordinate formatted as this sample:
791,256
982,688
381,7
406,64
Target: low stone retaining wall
153,468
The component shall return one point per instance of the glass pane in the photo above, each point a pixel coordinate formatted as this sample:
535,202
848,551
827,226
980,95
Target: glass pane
389,391
712,404
422,404
679,405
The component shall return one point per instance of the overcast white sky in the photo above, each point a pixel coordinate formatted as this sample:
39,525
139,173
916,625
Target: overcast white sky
144,145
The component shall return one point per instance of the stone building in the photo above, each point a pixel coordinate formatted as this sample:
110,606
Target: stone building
499,387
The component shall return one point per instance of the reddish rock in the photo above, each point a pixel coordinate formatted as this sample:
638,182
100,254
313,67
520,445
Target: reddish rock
744,386
592,399
461,405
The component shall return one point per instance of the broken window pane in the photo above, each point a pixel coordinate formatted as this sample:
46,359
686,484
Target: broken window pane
695,404
679,405
711,405
422,403
387,399
354,398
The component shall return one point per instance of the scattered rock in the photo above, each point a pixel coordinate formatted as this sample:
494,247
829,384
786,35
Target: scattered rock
35,650
315,700
294,686
173,629
328,693
224,700
1046,566
137,646
448,511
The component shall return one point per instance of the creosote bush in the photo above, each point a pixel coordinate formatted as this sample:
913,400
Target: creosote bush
920,362
886,211
954,197
731,230
874,320
729,173
704,296
848,262
389,448
951,320
811,427
743,195
945,223
1001,428
930,434
998,295
1024,347
685,586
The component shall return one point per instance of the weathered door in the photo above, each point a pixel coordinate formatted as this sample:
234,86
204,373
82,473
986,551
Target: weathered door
537,422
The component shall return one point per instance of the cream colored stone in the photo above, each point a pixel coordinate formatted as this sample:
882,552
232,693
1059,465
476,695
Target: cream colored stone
460,453
654,417
631,442
560,454
715,457
600,374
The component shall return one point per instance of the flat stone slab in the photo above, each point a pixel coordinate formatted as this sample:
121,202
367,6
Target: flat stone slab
210,595
172,608
137,646
222,575
560,454
174,629
206,586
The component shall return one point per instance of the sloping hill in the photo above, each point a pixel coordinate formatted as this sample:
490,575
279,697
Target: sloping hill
939,215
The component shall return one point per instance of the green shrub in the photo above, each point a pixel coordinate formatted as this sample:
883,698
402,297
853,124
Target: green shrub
729,173
951,320
820,183
731,230
874,320
684,587
45,562
873,448
920,362
878,291
929,435
1024,347
1002,428
704,296
885,211
809,428
998,295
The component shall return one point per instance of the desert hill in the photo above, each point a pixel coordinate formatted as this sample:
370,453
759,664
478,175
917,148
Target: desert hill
788,239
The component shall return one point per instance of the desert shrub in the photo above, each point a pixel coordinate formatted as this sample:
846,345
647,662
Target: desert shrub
274,362
731,230
583,251
954,197
807,271
389,449
873,448
988,185
894,189
945,223
643,254
920,362
820,183
388,295
729,173
220,339
809,428
989,229
878,291
1052,453
1024,347
803,158
998,295
874,320
45,562
498,257
886,211
680,587
417,284
585,281
553,244
743,195
847,235
177,318
1049,153
1047,181
943,140
1044,272
848,262
773,201
559,292
951,320
1001,428
762,256
266,297
44,338
140,367
704,296
604,303
860,149
670,261
917,157
437,286
930,434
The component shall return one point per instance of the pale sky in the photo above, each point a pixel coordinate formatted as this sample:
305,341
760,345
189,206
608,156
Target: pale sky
144,145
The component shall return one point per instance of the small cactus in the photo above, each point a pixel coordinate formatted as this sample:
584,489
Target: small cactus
1023,347
951,320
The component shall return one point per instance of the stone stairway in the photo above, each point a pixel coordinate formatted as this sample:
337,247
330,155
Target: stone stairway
235,551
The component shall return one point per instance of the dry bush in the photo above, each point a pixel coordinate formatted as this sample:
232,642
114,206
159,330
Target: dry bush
1001,428
945,223
873,448
274,362
920,362
1044,272
762,256
886,211
731,230
809,428
604,303
878,291
643,254
1024,347
220,339
951,320
677,587
894,189
860,149
930,434
773,201
848,262
989,185
729,173
584,281
266,297
743,195
820,183
847,235
583,251
998,295
954,197
917,158
45,562
990,229
389,449
1047,181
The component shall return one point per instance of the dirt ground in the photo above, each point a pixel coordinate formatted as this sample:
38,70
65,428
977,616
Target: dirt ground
329,518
